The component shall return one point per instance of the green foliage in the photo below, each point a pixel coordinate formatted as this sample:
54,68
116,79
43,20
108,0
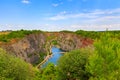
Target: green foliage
12,68
98,34
41,58
66,31
104,63
50,37
17,34
49,73
89,34
101,62
54,42
71,66
42,55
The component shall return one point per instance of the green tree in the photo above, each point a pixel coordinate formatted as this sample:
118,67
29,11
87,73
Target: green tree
104,63
12,68
71,66
49,72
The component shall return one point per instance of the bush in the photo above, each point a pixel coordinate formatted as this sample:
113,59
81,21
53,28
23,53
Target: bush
12,68
104,63
49,73
71,66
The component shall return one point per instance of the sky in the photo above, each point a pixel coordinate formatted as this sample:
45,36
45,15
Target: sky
57,15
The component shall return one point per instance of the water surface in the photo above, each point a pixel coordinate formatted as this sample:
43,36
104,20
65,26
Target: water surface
56,53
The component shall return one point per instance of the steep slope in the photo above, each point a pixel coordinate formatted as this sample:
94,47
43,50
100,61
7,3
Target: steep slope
28,48
32,46
70,41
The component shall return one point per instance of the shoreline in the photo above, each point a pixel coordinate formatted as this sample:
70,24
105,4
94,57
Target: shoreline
45,60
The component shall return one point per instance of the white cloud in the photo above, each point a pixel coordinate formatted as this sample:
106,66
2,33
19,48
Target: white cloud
58,27
58,16
62,13
68,16
25,1
92,27
96,14
55,5
97,20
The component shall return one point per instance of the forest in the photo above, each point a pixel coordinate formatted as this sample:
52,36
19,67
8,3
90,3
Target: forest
99,62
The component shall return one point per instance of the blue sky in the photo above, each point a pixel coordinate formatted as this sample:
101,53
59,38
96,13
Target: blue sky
56,15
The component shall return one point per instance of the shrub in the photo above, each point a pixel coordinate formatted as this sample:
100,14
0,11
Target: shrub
71,66
12,68
104,63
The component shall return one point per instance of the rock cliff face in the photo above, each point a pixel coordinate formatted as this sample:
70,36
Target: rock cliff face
30,47
70,41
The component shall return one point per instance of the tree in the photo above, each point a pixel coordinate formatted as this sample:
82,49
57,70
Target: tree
49,72
12,68
71,66
104,63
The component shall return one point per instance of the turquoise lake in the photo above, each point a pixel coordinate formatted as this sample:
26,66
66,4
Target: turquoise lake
56,53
